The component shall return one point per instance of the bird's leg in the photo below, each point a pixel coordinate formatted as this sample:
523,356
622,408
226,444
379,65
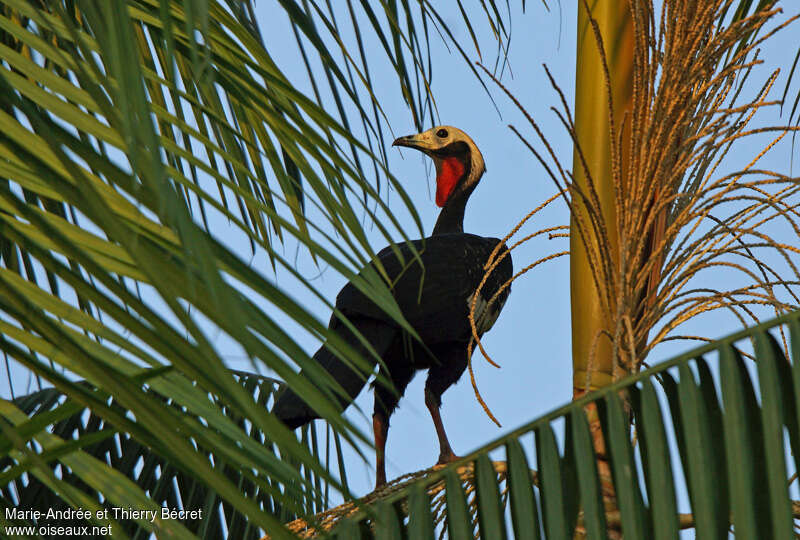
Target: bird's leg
399,373
446,454
380,426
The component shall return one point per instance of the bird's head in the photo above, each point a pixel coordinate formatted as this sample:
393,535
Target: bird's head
459,163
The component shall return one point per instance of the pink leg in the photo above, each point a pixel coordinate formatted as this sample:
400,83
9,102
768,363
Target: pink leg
380,427
446,454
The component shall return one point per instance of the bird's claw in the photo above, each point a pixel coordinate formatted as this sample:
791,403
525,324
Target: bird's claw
449,457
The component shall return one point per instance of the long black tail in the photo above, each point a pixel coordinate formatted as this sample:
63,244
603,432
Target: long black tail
294,412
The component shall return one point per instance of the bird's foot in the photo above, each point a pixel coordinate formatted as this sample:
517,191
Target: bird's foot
380,481
447,457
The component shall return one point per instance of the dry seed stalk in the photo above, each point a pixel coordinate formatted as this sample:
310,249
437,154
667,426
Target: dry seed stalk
677,217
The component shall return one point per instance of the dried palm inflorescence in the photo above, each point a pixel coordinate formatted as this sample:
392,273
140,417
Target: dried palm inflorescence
326,521
677,215
494,260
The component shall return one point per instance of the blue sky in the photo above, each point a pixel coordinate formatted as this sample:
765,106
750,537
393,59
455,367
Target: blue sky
531,340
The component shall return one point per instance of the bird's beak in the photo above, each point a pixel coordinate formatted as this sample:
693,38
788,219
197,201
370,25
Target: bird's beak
412,141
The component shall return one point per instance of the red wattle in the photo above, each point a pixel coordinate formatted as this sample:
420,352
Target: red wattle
450,172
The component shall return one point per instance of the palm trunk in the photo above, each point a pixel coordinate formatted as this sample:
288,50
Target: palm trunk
594,238
592,358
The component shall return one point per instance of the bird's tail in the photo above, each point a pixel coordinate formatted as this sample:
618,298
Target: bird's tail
293,411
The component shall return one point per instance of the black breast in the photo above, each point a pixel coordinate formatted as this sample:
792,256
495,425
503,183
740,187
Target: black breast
434,292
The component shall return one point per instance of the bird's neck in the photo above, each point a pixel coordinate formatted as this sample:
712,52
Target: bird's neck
451,218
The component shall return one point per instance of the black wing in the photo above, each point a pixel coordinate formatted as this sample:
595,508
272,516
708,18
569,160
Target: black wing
435,296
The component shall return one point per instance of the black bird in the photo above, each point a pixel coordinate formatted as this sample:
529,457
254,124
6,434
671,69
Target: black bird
434,297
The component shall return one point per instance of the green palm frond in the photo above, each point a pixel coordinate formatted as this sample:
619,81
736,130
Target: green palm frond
131,129
80,436
709,421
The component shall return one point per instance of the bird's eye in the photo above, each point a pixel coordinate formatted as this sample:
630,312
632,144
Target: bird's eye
442,133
